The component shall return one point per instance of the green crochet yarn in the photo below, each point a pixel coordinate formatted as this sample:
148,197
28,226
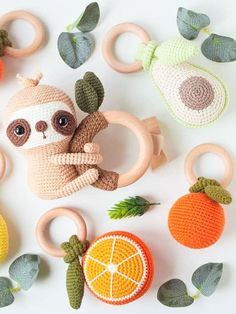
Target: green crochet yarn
201,183
74,275
4,41
89,93
218,194
213,189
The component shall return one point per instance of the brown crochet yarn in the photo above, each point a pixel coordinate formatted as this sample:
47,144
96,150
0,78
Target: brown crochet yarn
48,176
85,133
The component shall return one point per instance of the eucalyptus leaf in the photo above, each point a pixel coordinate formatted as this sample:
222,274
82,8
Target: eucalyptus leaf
75,48
6,296
219,48
191,23
89,19
173,293
24,270
207,277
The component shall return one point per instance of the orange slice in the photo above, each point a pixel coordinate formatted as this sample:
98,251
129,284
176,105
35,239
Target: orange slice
118,267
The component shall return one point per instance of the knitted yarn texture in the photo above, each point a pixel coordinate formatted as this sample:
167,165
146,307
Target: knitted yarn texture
41,122
4,239
4,41
194,96
74,276
118,268
197,220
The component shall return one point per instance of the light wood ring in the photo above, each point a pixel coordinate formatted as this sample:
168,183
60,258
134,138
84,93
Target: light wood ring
145,142
108,43
44,221
39,33
209,148
2,165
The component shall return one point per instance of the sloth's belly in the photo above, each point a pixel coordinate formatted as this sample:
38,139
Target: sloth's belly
45,178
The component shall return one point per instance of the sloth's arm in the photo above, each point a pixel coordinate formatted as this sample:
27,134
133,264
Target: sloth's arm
76,159
87,178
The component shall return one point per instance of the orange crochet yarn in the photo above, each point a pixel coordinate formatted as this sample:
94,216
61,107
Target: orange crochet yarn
1,69
196,221
118,268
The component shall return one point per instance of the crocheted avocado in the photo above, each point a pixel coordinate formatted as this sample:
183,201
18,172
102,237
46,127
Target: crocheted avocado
193,95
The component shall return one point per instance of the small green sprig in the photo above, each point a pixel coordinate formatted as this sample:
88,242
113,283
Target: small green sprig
130,207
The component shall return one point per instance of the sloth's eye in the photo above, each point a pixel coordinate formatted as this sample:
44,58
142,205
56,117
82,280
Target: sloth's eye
63,121
19,130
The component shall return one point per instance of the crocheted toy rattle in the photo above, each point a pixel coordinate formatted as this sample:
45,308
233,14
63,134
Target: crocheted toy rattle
117,267
6,45
194,96
41,123
4,237
196,220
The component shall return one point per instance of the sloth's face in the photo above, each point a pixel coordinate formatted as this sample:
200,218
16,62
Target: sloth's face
42,124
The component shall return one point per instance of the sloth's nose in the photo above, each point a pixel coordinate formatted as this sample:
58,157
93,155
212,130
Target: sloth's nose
41,126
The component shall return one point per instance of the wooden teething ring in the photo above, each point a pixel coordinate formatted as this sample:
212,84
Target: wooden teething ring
44,221
209,148
108,43
39,33
2,165
145,141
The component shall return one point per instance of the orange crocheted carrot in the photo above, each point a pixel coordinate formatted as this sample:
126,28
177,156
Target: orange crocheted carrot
196,221
1,69
118,268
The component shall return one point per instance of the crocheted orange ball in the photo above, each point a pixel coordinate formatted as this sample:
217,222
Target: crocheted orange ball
196,221
118,268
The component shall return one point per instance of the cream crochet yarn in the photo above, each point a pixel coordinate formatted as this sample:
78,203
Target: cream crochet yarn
194,96
41,122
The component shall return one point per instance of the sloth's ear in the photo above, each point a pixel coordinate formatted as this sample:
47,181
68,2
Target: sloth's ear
89,93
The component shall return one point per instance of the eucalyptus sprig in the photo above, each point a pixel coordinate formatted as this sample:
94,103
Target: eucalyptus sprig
24,271
173,293
216,47
76,47
130,207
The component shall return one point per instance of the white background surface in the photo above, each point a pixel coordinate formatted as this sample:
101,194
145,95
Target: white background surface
136,94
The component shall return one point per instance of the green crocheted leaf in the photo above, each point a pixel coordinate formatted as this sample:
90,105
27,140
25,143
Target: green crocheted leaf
207,277
4,41
173,293
25,269
86,96
130,207
201,183
78,246
6,296
75,48
191,23
89,19
74,248
219,48
75,284
218,194
94,81
89,93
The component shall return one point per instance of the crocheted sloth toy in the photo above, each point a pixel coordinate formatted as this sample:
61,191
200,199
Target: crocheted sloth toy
61,158
41,123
